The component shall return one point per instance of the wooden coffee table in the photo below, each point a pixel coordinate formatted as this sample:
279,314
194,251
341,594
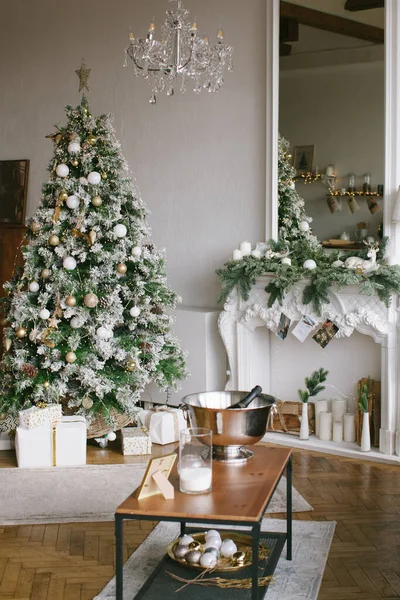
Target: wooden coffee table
240,495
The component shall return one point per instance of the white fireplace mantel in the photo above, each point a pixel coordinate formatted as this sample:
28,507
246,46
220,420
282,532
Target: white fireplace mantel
347,308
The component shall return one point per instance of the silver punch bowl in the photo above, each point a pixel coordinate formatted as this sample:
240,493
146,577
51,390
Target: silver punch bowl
231,429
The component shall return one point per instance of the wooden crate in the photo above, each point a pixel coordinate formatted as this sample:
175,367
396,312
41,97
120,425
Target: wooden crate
374,409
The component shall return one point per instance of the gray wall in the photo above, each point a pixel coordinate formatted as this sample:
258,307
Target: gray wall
198,160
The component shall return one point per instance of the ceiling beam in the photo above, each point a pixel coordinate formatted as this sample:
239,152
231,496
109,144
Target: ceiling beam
332,23
357,5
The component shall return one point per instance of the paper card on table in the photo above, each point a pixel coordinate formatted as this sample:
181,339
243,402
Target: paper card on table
325,333
283,327
303,327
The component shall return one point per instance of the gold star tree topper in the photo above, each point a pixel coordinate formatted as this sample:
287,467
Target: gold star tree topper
83,74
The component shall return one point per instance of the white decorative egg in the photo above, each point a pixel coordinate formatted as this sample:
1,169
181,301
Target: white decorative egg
212,533
62,170
310,264
185,540
213,542
72,202
208,560
94,178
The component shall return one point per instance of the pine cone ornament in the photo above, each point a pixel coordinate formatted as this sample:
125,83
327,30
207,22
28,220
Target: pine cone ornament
145,347
156,310
105,302
29,370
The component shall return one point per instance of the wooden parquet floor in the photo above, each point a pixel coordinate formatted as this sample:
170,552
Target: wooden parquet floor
75,561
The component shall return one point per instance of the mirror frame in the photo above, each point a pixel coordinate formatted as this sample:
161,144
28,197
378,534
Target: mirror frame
390,415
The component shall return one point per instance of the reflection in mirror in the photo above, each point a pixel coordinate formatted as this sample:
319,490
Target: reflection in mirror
331,109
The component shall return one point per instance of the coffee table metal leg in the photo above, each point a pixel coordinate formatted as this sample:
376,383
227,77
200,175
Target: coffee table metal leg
289,510
255,534
183,527
119,539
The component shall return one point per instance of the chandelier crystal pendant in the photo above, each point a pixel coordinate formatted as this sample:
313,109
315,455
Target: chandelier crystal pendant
181,56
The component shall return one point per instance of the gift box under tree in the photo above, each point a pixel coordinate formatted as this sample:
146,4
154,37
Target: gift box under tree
135,441
163,422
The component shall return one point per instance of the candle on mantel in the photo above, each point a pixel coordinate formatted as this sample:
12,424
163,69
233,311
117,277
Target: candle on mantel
330,171
245,248
325,426
337,431
349,426
320,405
256,253
339,408
237,255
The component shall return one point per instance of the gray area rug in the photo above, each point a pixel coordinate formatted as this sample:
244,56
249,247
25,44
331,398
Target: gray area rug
299,579
87,493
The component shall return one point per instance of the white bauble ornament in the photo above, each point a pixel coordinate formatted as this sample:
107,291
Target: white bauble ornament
286,261
228,548
309,264
136,251
111,436
44,313
74,147
62,170
135,311
94,178
304,226
69,263
104,334
72,202
74,323
34,286
120,230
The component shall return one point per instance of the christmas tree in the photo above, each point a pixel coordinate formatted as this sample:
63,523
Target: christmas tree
88,321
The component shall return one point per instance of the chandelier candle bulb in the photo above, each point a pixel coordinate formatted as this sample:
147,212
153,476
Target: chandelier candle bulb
325,426
245,248
349,427
337,431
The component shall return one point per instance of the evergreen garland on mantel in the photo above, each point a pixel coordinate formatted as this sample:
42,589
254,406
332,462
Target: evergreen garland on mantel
297,242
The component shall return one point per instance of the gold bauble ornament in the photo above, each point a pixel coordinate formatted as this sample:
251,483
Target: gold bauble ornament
122,268
3,322
70,301
91,139
131,365
87,403
46,273
90,300
104,175
46,385
35,227
54,240
97,201
74,162
63,196
70,357
21,332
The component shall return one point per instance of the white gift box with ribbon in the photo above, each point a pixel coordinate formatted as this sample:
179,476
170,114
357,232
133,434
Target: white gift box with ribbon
37,417
135,440
63,445
163,422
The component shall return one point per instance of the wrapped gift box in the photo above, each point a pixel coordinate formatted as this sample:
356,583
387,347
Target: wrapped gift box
9,423
37,417
135,441
6,441
47,446
164,423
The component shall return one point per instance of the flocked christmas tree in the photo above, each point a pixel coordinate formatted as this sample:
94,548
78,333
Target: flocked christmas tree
88,315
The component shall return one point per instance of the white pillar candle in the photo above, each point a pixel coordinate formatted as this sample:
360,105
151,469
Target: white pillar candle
325,426
339,408
320,405
330,171
245,248
349,427
337,431
195,479
237,255
256,253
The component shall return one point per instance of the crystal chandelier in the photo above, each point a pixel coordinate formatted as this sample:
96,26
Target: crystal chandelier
181,56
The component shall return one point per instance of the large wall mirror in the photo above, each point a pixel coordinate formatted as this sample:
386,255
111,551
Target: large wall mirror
332,110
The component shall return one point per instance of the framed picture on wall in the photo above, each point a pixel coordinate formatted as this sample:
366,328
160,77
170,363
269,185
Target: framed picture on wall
13,191
303,159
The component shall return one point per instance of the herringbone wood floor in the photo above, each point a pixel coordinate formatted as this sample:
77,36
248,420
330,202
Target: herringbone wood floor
75,561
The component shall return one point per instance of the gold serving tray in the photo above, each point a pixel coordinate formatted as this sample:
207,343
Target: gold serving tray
242,541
